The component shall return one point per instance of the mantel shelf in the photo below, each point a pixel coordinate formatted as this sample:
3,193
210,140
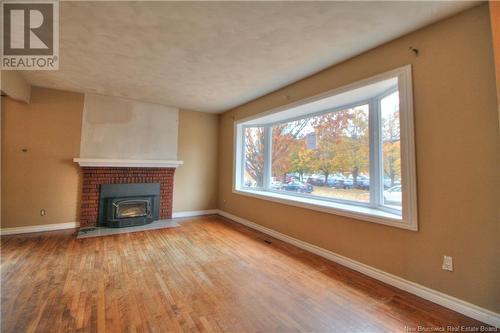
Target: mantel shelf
123,163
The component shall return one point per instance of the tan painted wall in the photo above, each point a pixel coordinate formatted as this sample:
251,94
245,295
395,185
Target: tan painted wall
495,28
195,183
46,177
457,148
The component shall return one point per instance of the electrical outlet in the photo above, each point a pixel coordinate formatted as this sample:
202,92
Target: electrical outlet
448,263
43,212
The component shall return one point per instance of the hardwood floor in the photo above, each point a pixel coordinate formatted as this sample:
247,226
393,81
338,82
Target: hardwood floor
209,274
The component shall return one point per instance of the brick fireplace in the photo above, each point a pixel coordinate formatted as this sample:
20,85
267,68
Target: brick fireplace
95,176
130,146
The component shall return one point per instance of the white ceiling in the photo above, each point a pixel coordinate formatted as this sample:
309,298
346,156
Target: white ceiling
212,56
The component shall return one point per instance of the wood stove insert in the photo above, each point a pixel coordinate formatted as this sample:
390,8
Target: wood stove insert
126,205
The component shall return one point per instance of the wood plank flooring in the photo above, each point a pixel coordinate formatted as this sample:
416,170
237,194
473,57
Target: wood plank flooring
209,274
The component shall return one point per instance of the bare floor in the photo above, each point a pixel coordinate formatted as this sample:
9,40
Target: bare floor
209,274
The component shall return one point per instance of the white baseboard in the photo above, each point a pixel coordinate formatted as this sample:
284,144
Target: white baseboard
71,225
450,302
39,228
195,213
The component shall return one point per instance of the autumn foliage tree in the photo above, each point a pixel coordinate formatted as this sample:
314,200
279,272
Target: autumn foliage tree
341,144
353,148
285,143
284,140
329,129
391,145
302,160
254,154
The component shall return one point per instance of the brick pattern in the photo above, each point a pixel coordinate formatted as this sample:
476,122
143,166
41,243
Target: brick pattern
93,177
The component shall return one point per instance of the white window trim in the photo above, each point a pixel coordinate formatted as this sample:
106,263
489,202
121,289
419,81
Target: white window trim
382,215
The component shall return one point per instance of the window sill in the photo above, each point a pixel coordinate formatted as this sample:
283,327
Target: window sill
336,208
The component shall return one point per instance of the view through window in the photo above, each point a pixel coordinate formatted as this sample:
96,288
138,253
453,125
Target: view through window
254,157
343,148
391,150
326,155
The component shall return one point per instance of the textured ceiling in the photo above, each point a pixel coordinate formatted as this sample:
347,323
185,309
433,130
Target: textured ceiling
212,56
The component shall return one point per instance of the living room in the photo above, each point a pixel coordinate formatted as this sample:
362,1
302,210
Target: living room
250,166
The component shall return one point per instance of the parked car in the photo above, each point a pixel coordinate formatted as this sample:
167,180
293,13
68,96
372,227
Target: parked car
297,186
316,180
363,182
249,183
393,195
276,185
335,181
387,182
348,183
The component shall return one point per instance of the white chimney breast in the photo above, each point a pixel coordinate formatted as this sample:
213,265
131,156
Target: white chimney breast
118,128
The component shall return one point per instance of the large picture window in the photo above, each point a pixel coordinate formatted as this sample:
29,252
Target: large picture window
325,155
348,152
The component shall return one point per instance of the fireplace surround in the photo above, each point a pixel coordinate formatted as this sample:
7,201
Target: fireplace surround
95,177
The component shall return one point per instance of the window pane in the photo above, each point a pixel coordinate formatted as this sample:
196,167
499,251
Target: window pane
391,150
325,155
254,157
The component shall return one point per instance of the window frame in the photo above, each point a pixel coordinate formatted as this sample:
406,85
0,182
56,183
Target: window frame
374,210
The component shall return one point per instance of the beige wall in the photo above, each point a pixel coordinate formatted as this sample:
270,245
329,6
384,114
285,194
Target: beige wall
457,150
495,28
46,177
195,183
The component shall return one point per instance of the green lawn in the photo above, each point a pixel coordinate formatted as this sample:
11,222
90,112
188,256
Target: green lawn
353,194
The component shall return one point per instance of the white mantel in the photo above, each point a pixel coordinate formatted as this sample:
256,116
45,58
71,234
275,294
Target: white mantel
123,163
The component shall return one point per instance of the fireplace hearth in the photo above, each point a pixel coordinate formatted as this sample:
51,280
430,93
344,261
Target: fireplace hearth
126,205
